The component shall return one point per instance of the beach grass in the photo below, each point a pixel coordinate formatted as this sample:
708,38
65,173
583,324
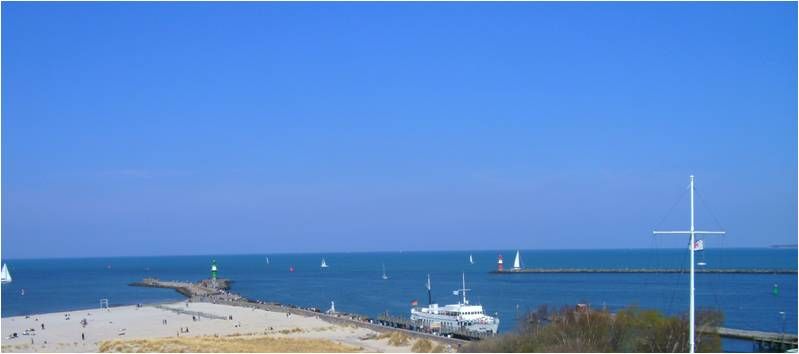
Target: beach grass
422,346
397,339
211,344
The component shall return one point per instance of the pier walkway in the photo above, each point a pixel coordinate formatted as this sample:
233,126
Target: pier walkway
645,270
204,291
342,319
190,313
762,341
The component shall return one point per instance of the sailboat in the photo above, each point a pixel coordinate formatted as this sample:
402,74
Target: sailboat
324,264
267,260
517,263
291,268
5,277
385,277
471,260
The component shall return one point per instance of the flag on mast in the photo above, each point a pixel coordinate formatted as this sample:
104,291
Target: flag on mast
699,245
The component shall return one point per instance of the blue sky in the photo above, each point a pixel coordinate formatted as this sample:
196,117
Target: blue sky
196,128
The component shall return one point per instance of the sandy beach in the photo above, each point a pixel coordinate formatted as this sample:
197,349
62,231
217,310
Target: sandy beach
65,332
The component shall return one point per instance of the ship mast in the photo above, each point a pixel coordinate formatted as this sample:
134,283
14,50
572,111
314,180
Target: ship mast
429,294
464,290
692,232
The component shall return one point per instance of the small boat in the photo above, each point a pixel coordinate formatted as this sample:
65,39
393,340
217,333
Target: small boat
517,263
471,260
385,277
22,292
5,276
267,260
291,268
324,264
701,264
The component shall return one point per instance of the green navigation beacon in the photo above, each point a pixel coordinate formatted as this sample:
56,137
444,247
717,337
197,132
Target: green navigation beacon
213,272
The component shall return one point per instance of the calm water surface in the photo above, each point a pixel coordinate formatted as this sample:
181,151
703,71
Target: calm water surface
354,282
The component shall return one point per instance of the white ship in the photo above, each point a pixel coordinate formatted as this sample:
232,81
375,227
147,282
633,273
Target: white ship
459,316
324,264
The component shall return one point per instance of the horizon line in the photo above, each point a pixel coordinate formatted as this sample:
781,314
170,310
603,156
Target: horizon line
394,251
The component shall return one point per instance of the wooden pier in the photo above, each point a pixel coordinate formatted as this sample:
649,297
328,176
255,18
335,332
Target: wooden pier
644,270
762,341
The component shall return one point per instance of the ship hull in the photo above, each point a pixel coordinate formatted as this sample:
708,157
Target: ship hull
430,320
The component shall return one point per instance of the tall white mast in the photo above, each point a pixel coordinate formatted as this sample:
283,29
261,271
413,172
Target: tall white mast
464,288
692,232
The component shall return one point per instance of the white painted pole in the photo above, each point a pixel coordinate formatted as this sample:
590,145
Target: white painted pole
691,248
692,232
464,287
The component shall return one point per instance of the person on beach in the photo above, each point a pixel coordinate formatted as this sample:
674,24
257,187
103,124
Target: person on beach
42,326
83,336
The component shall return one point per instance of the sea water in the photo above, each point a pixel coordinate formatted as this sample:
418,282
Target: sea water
354,281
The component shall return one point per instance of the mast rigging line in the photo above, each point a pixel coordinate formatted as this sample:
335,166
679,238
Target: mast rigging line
713,277
673,206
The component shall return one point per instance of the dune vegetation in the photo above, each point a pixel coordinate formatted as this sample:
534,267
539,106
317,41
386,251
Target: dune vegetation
211,344
395,338
584,330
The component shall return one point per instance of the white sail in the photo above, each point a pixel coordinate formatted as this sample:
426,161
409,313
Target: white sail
5,276
384,272
517,263
324,265
471,260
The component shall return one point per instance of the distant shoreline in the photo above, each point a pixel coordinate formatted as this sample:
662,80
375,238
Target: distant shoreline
770,247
